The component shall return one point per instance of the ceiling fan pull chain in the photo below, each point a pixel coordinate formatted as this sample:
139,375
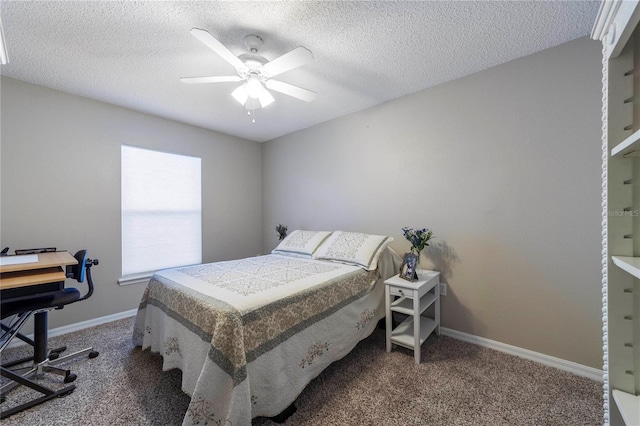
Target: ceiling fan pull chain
251,109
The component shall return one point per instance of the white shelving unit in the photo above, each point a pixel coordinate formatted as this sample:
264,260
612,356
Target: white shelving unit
630,147
629,264
629,406
617,26
414,298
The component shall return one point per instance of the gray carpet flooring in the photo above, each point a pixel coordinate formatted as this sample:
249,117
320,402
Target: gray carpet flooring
457,383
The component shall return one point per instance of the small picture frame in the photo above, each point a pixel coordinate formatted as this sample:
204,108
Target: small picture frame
408,268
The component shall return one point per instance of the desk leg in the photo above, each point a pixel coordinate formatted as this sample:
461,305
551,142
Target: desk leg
40,331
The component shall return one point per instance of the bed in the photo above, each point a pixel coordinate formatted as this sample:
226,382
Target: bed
250,334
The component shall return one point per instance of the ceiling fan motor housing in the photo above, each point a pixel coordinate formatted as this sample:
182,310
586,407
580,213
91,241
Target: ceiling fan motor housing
253,43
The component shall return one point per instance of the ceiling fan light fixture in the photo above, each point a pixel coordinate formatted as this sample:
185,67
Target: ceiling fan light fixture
255,72
240,94
265,98
254,87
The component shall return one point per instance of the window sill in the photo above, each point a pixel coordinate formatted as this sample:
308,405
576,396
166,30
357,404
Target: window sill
135,279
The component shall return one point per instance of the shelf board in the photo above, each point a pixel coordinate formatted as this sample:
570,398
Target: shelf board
629,264
38,276
404,305
403,334
630,147
629,406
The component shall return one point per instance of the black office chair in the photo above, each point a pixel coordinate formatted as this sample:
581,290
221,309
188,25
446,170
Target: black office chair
21,308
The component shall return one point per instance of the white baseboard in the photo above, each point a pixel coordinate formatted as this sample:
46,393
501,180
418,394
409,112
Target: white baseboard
562,364
58,331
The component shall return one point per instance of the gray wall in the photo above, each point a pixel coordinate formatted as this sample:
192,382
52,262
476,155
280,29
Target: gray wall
60,182
503,165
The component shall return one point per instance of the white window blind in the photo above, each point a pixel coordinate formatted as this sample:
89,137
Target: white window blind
161,210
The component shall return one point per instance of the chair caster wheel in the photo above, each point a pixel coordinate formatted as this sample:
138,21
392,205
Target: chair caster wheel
70,378
54,355
93,354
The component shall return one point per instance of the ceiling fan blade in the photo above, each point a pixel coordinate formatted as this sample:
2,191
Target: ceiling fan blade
221,79
291,90
296,58
213,44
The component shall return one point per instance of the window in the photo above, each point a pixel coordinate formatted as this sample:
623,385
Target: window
161,211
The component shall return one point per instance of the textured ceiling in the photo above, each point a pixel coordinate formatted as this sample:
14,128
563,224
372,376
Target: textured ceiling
132,53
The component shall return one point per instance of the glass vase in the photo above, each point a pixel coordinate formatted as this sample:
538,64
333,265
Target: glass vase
418,266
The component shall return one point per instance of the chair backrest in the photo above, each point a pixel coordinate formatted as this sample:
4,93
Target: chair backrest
82,269
77,271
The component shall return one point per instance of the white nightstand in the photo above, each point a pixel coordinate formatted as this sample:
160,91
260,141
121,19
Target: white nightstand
415,298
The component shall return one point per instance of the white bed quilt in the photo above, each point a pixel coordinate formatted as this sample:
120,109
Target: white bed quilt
250,334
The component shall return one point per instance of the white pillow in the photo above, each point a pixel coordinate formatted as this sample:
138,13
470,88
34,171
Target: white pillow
355,248
301,243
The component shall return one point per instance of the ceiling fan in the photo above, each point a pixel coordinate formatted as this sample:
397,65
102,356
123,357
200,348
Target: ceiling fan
255,71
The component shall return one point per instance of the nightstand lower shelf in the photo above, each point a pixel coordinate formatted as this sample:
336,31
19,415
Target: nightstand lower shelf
403,334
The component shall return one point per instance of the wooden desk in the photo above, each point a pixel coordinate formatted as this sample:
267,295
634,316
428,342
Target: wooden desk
24,281
48,269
